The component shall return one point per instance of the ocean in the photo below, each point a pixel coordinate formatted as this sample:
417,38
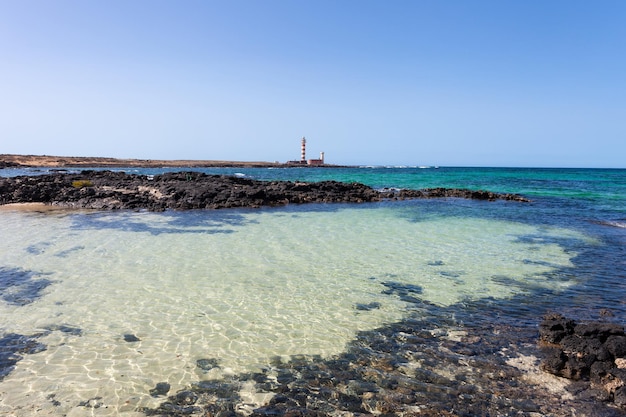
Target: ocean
97,308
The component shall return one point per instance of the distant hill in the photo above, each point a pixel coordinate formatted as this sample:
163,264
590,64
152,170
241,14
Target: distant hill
7,161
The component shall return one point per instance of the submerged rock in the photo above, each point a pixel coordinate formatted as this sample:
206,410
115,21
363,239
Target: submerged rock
21,287
106,190
367,307
207,364
12,348
131,338
421,366
162,388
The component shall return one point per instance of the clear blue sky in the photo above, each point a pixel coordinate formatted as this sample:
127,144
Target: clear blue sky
418,82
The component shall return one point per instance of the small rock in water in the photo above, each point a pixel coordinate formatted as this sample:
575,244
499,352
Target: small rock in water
94,402
207,364
186,398
449,274
54,402
367,307
74,331
131,338
162,388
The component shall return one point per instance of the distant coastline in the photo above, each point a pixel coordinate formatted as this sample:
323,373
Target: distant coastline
7,161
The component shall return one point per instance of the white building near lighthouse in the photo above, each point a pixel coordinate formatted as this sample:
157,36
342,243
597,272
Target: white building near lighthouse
303,160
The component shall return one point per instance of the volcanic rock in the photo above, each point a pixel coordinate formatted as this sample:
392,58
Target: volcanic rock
591,352
107,190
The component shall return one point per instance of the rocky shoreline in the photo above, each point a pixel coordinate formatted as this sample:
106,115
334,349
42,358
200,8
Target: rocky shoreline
107,190
420,366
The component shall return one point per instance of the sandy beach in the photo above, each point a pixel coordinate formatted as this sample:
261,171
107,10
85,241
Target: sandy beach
36,207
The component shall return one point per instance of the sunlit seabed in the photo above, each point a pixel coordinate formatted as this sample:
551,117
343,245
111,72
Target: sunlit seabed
240,287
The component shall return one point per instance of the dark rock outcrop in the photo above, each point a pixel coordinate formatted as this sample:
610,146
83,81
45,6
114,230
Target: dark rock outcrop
106,190
593,352
8,164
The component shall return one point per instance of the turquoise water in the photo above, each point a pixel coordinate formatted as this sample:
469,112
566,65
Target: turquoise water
555,182
236,288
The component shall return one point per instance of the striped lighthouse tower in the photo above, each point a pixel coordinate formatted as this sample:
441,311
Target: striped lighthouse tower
303,154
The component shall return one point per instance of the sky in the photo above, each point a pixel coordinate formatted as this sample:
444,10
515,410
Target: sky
526,83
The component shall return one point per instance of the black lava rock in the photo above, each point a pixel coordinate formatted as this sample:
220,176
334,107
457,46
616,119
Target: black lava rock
131,338
106,190
586,352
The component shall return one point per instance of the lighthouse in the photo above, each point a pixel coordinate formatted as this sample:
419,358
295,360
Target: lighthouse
303,160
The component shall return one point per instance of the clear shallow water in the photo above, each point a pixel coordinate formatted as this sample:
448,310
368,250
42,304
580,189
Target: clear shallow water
238,287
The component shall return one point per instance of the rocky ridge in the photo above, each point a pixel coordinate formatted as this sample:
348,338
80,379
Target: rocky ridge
107,190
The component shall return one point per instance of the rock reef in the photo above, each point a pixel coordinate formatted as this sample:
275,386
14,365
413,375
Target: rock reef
107,190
